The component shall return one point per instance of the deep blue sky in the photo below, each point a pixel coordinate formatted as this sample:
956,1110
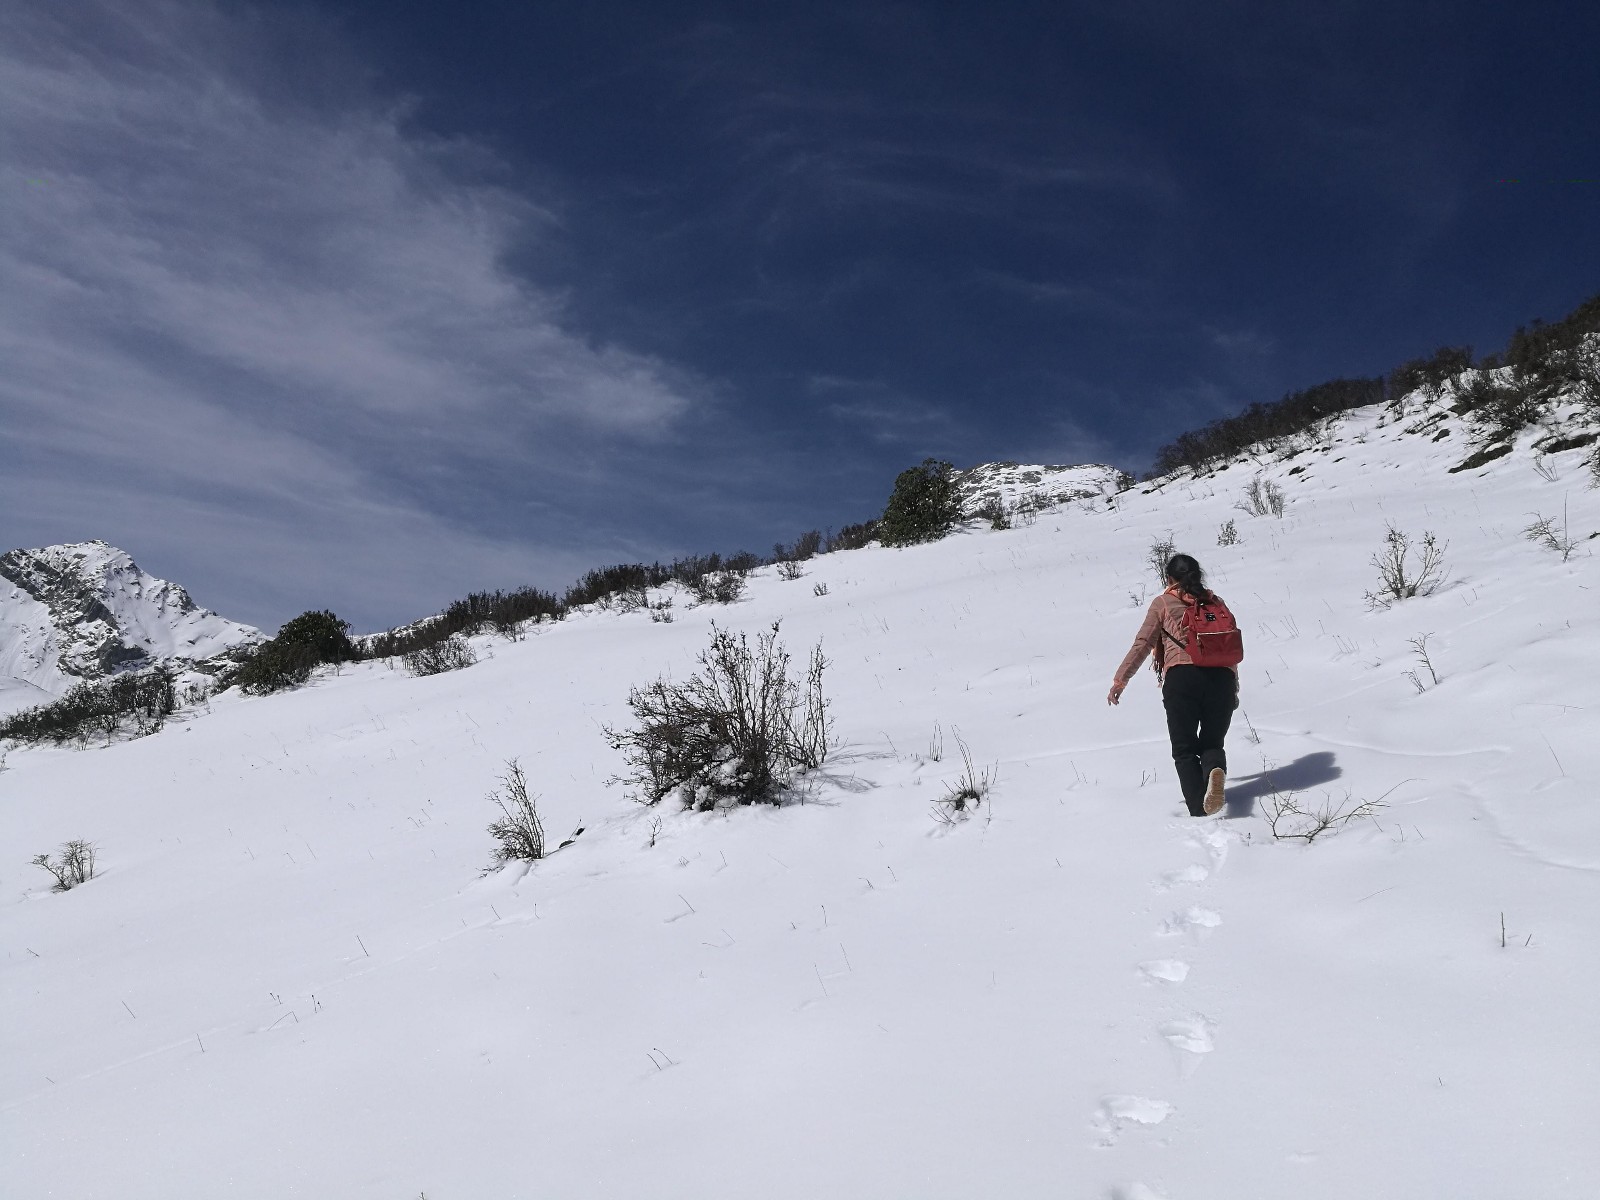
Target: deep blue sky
365,305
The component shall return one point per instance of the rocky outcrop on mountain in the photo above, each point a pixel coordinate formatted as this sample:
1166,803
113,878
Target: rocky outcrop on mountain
1015,488
86,610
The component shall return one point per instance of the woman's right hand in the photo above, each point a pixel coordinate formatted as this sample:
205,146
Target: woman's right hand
1115,695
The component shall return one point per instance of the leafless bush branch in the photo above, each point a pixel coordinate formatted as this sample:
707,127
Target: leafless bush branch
1543,532
519,832
1398,578
739,731
1290,820
74,865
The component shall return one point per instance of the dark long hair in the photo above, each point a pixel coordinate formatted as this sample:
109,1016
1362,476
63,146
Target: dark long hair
1186,572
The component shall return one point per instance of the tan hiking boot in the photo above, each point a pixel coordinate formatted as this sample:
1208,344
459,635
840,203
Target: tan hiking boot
1215,798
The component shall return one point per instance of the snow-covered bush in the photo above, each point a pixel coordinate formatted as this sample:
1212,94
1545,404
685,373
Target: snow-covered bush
1228,535
450,654
519,834
1401,579
717,587
790,570
738,732
74,865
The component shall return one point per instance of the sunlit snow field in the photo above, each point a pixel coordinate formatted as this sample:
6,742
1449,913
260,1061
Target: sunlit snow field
289,978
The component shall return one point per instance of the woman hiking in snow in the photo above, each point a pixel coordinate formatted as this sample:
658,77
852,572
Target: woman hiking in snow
1196,645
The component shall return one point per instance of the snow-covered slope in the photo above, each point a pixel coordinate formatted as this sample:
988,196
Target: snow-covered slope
85,610
290,979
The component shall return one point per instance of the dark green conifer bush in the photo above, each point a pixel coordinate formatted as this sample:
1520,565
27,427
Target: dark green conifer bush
923,507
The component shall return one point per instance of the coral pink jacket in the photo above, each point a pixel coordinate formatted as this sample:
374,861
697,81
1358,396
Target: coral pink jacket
1165,613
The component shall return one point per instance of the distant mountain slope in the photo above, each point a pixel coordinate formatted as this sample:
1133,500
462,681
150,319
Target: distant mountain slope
86,610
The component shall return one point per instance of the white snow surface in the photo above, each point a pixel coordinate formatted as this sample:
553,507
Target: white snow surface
289,978
99,598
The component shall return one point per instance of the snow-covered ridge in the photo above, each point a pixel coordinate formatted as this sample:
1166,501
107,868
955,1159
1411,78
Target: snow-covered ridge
85,610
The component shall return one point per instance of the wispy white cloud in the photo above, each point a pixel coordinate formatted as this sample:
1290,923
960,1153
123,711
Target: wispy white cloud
233,308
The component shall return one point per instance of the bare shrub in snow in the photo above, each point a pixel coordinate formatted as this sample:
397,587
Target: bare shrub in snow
1291,820
738,732
969,790
1419,647
661,610
994,512
450,654
74,864
629,600
790,570
1228,535
519,833
1544,532
819,589
1399,578
1262,498
1160,554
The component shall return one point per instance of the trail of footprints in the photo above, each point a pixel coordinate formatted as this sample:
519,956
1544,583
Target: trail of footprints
1191,1036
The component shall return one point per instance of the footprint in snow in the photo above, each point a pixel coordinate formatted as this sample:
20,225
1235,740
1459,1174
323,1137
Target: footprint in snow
1191,1040
1193,873
1213,841
1193,920
1116,1113
1166,970
1190,1034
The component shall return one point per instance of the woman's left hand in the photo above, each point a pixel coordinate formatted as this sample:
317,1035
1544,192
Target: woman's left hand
1115,695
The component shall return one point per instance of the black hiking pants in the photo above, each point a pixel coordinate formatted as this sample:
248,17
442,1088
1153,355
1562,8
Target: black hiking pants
1199,703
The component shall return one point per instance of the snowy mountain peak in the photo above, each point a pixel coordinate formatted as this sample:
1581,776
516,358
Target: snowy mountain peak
85,610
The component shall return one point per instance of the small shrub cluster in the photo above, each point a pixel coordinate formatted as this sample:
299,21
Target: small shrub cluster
1160,554
807,545
133,703
1228,535
994,512
73,865
854,537
962,797
737,732
519,833
1427,374
506,613
923,507
1545,532
1399,578
1262,498
450,654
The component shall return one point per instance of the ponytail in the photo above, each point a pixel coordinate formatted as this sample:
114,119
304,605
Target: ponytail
1186,573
